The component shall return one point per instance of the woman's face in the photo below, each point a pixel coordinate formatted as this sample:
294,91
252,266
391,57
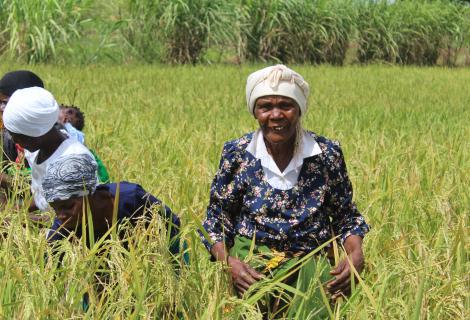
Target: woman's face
31,144
69,212
3,103
63,115
278,117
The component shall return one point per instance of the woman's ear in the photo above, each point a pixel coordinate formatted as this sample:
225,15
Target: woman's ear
99,198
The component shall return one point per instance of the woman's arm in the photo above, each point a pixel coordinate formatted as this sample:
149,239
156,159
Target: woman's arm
224,205
224,201
32,207
347,222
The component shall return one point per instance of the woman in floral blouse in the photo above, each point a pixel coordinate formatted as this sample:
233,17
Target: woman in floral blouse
287,190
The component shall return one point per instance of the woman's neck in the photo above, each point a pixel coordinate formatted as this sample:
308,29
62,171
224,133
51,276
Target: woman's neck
102,208
53,140
282,153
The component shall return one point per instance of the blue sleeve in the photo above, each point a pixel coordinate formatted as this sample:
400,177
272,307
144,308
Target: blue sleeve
346,219
56,232
225,201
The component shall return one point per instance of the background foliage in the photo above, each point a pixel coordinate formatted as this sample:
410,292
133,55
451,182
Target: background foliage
421,32
32,30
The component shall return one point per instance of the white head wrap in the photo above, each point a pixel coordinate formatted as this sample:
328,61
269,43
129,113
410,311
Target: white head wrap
277,80
31,112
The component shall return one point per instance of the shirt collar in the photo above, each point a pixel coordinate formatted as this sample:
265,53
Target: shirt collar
308,148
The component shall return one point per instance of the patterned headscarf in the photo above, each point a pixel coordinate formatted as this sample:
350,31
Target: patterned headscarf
277,80
73,175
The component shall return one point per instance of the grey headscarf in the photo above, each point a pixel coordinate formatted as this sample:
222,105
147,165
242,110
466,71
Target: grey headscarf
73,175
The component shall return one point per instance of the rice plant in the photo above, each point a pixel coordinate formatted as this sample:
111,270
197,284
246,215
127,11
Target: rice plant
404,132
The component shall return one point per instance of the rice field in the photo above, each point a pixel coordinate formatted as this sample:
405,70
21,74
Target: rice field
405,135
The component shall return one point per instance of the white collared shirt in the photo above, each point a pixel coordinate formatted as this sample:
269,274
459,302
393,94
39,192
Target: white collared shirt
288,178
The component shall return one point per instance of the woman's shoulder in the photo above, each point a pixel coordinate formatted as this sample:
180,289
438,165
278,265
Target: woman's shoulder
131,195
239,145
329,147
125,188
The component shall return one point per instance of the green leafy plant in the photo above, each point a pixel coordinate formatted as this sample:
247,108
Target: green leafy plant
411,32
32,30
297,31
177,31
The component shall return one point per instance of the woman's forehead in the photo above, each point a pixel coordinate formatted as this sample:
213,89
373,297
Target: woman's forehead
277,97
67,201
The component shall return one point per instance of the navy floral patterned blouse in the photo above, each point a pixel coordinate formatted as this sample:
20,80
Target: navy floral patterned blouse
300,219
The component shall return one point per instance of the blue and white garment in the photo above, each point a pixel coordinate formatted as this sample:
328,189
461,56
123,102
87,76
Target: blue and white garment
318,207
38,170
74,133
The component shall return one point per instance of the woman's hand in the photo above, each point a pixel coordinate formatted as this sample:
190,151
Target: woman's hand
5,181
341,284
243,276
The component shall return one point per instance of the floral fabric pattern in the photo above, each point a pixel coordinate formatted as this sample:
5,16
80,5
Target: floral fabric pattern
300,219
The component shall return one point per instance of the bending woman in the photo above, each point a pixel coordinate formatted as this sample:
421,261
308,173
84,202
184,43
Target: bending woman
286,189
72,178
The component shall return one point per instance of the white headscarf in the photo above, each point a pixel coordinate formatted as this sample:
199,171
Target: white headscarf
31,112
277,80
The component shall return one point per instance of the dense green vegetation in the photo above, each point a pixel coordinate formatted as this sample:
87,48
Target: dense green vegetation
404,132
419,32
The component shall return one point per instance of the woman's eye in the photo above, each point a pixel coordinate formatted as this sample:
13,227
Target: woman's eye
65,207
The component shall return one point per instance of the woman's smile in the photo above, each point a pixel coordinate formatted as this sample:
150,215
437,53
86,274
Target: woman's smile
278,128
278,117
277,133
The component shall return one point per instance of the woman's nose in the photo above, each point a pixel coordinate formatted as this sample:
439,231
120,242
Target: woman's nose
276,113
